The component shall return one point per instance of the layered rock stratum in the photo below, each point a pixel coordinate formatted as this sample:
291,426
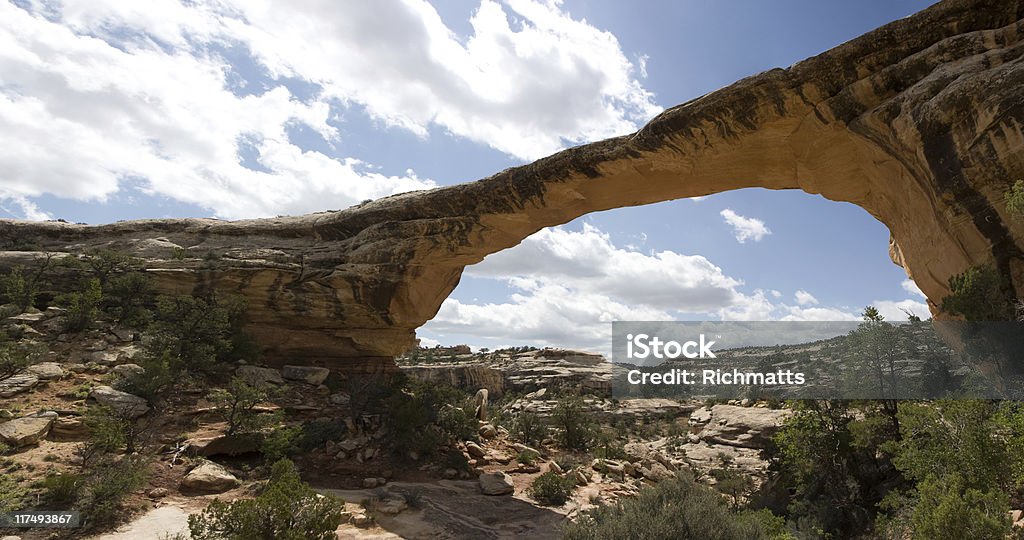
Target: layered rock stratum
918,122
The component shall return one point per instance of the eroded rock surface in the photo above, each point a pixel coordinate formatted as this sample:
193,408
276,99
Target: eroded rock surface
918,122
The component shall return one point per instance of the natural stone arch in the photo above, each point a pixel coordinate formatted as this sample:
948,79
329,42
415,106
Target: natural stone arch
918,122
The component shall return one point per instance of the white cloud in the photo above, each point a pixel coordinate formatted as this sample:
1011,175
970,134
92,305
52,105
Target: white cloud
745,228
568,285
26,208
912,288
805,298
896,310
94,93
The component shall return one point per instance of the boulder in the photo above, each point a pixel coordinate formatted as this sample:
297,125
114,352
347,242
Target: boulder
27,430
209,477
474,449
123,403
745,427
67,428
496,483
488,431
228,445
46,371
259,376
307,374
128,370
16,384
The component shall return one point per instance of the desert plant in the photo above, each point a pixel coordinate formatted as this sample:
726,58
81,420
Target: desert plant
551,489
82,307
237,403
575,429
287,509
62,489
1015,198
977,295
676,508
198,333
107,485
529,428
15,356
12,494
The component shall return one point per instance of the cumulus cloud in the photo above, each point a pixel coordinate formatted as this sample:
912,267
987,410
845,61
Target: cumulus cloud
568,285
912,288
805,298
745,228
171,95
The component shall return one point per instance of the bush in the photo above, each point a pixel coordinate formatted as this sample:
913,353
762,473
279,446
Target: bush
1015,198
127,299
287,509
947,510
977,295
527,457
280,443
529,428
62,489
201,334
314,434
16,356
424,417
12,494
551,489
82,307
575,429
237,403
676,509
22,288
157,378
106,488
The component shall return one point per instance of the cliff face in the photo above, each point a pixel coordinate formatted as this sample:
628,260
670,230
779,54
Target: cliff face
918,122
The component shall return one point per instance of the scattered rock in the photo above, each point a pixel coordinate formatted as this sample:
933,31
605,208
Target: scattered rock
259,376
228,445
16,384
393,504
746,427
474,449
341,399
488,431
128,370
122,402
157,493
27,430
209,477
307,374
68,428
46,371
496,483
369,483
5,414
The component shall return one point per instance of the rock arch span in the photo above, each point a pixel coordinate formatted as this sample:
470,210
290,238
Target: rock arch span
918,122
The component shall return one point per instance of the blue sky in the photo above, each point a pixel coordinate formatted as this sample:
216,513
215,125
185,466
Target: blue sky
115,110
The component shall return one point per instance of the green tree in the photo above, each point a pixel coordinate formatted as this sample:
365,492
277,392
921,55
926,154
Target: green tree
237,404
977,295
197,333
82,307
287,509
574,429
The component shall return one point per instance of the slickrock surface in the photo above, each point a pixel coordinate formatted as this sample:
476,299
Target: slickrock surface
918,122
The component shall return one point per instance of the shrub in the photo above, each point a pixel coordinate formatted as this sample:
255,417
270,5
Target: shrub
551,489
280,443
82,307
106,488
947,510
12,494
527,457
575,429
127,299
198,333
287,509
110,431
529,428
237,403
16,356
1015,198
314,434
423,417
62,489
22,288
977,295
675,508
157,377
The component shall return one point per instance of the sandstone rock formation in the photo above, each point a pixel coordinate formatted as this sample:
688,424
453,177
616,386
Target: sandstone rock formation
918,122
